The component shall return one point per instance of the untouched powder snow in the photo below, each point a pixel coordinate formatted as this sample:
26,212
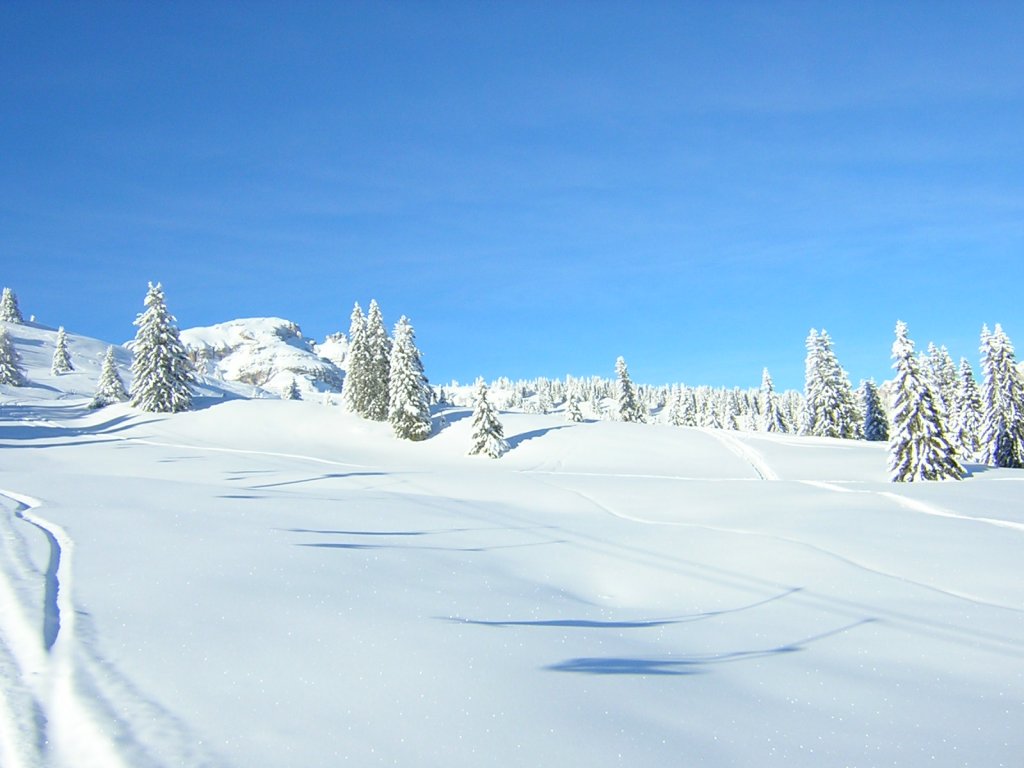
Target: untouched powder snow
275,583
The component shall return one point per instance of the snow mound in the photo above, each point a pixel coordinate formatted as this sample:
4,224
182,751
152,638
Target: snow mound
265,352
35,344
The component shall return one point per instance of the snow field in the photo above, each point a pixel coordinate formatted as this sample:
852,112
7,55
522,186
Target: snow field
267,583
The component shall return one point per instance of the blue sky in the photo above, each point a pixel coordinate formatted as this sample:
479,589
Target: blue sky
540,187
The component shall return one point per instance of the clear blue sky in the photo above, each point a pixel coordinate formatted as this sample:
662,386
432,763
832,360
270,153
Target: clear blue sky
540,186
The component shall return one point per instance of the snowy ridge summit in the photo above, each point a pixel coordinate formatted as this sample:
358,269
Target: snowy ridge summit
266,352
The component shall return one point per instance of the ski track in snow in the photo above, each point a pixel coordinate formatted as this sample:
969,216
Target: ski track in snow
46,657
67,713
931,509
745,452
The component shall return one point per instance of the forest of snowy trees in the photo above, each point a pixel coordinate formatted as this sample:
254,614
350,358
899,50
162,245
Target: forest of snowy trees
934,414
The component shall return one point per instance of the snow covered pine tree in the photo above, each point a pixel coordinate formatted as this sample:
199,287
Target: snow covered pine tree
876,423
355,392
9,311
1002,427
829,407
10,362
488,433
110,389
61,358
918,448
409,401
162,374
771,414
378,365
630,407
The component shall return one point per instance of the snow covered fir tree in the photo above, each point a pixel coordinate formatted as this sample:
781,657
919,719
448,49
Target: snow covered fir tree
9,311
61,357
10,362
488,438
876,422
356,391
162,373
1002,395
378,365
968,409
919,448
409,400
110,389
829,408
630,407
771,413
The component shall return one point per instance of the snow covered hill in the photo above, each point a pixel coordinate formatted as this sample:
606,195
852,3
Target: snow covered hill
268,353
272,583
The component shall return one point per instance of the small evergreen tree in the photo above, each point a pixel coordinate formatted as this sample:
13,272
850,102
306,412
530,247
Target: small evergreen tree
942,374
572,408
876,423
1002,434
409,402
772,419
162,374
292,392
61,358
488,432
9,311
919,448
378,365
110,389
630,407
10,362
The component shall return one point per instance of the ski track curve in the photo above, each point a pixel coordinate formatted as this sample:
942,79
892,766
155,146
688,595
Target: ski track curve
745,452
46,661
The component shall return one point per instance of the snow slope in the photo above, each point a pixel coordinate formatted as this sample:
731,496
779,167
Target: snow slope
273,583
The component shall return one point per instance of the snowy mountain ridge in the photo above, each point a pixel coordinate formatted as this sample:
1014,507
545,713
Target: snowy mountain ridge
268,353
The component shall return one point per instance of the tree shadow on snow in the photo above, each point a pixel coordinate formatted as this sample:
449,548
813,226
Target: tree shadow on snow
685,665
516,440
326,476
604,624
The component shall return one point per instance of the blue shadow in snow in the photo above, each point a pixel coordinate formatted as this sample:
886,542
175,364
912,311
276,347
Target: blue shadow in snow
685,665
516,440
328,476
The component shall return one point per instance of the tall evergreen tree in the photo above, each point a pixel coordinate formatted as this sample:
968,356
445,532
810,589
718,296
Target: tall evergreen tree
876,422
162,373
1002,430
771,413
378,365
10,361
630,407
110,389
488,433
355,392
967,412
919,448
829,407
9,311
409,403
61,358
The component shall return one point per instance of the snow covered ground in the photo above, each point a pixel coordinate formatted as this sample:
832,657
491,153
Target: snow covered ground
278,583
